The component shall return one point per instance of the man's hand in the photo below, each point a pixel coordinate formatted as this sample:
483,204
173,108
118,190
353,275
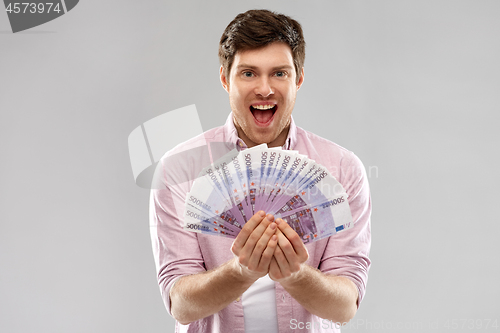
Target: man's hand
254,246
199,295
289,255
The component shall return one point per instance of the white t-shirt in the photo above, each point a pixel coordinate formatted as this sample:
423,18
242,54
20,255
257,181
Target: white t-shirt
259,307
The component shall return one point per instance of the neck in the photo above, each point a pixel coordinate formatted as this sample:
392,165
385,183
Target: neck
279,141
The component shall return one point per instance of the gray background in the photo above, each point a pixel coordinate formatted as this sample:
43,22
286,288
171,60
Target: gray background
412,87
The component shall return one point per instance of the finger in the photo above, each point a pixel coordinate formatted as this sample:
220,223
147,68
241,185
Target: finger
261,245
258,231
274,270
288,251
294,239
246,252
282,262
285,245
246,231
268,253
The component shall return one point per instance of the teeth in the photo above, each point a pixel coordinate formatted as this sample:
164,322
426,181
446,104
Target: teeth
263,107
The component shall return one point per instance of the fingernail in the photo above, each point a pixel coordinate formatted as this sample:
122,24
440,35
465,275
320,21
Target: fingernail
278,221
270,217
262,213
274,237
272,226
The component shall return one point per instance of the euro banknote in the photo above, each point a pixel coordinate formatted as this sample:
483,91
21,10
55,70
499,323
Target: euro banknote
285,183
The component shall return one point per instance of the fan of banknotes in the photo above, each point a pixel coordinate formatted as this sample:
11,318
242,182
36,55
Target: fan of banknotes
288,185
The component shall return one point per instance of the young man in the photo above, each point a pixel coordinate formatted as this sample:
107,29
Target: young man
267,280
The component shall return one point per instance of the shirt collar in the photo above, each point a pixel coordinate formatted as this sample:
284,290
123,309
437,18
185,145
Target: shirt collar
231,134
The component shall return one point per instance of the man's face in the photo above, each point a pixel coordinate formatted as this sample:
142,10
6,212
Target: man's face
262,87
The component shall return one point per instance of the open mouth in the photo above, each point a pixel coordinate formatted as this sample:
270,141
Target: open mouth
263,114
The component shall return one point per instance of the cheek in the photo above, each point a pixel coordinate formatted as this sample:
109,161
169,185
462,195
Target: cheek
291,92
237,97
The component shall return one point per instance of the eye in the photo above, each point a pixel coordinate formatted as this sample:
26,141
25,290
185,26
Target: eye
247,74
281,74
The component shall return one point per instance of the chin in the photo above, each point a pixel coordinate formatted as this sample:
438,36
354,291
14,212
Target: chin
263,139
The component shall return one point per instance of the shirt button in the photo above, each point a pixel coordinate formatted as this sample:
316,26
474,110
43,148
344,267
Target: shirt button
283,298
238,299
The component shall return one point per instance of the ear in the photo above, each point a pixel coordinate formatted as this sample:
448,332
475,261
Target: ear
301,79
223,79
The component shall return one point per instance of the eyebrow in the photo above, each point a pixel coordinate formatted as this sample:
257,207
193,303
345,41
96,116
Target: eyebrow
242,66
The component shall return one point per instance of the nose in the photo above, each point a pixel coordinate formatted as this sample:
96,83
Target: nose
263,87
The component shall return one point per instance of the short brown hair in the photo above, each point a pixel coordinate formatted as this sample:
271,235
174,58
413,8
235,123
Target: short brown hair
258,28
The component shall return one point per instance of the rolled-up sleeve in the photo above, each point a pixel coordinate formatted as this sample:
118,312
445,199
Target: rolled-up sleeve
346,253
176,252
